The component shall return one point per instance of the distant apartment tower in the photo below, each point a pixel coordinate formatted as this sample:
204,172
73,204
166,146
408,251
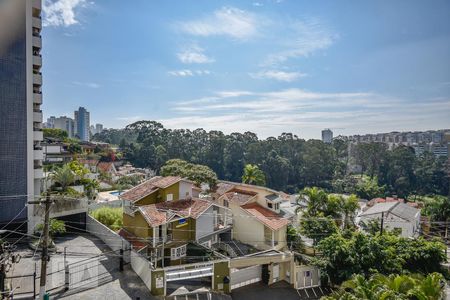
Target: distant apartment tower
20,110
67,124
82,124
50,122
327,136
98,128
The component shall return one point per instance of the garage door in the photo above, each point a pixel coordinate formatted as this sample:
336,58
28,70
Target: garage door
245,276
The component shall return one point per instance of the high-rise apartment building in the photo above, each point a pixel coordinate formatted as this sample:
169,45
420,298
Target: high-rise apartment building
98,128
65,123
327,136
20,110
82,124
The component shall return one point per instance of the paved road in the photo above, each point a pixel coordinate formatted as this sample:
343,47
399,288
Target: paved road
95,277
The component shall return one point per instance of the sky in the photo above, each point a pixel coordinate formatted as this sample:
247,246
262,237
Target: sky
266,66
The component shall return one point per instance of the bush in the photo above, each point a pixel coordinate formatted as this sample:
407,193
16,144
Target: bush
109,216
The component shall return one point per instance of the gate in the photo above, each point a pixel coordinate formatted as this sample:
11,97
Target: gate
245,276
93,271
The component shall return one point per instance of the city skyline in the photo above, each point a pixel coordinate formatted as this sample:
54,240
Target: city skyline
267,67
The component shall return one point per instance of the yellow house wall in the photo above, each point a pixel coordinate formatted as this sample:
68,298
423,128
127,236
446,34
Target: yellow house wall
247,230
160,195
184,233
137,225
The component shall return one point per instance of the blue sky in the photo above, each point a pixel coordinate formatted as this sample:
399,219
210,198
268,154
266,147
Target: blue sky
268,66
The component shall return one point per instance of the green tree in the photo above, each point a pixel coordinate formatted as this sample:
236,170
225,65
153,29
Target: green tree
391,287
197,173
64,177
341,257
55,133
112,217
253,175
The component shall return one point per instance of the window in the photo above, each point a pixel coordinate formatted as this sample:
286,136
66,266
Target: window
169,197
269,205
177,253
225,203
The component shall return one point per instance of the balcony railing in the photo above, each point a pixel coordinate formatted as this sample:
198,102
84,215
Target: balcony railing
163,239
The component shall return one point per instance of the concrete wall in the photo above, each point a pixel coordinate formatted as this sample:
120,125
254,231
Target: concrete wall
205,223
109,237
141,266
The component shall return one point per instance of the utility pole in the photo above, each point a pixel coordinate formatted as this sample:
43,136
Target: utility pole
45,234
382,223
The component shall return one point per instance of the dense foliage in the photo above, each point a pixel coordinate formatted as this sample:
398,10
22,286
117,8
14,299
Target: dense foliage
288,162
111,217
197,173
393,287
343,256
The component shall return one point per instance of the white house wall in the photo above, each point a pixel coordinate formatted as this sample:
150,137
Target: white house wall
205,223
393,222
185,189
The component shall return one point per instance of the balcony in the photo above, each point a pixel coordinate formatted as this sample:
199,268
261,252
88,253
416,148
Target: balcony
37,116
37,79
38,154
37,60
37,98
38,173
37,41
164,239
38,136
37,22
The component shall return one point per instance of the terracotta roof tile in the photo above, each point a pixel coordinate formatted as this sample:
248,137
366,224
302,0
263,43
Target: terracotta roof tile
222,188
149,186
104,166
161,213
239,196
265,216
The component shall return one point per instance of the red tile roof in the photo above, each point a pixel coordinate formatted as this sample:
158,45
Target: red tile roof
239,196
135,241
149,186
104,166
222,188
161,213
265,216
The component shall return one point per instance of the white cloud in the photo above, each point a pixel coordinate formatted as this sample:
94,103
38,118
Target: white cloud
305,112
194,55
302,39
228,21
61,12
278,75
188,73
92,85
257,4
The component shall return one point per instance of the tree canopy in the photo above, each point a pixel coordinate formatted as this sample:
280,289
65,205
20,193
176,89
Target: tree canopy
197,173
288,162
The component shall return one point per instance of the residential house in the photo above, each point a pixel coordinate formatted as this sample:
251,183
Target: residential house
396,215
258,220
169,224
109,169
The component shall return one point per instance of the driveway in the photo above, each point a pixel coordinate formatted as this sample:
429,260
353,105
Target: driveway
94,268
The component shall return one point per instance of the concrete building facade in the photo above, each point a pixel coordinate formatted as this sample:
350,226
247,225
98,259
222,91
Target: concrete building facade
21,116
82,123
327,136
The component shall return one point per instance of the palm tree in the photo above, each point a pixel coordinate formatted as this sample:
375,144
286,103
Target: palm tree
253,175
348,207
316,199
64,176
